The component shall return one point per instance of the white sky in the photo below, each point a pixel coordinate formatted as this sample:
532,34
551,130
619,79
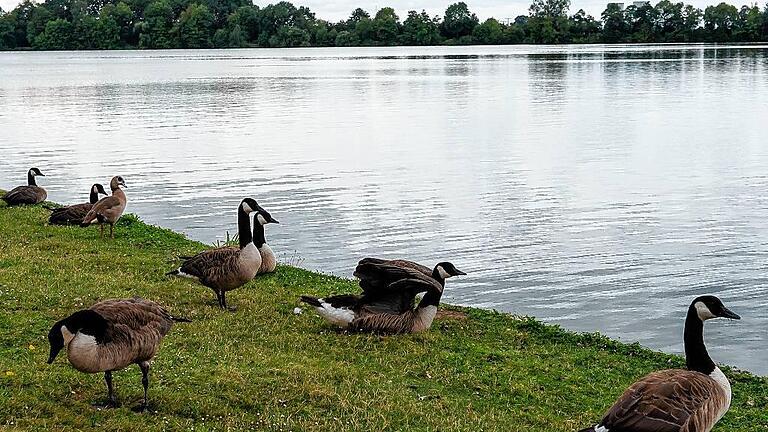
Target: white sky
334,10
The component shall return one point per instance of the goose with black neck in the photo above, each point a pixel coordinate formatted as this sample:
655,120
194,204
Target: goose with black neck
227,268
677,400
268,259
29,194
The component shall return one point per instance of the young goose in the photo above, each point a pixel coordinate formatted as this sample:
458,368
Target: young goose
112,335
74,214
108,210
227,268
268,259
386,305
30,194
677,400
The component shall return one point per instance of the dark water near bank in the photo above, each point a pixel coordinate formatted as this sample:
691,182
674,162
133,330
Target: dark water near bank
601,188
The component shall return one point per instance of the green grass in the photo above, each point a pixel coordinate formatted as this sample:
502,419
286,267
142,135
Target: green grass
263,367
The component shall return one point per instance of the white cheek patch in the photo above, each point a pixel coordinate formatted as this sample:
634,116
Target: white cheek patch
443,274
247,208
703,311
261,219
68,335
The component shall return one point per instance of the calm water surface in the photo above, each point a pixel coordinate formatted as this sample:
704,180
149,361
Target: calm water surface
601,188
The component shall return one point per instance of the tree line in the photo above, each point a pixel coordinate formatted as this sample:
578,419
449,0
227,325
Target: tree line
151,24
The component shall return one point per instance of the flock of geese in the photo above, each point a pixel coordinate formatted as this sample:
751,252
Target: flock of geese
113,334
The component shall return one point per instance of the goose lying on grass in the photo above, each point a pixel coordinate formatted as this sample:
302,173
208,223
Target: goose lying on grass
389,292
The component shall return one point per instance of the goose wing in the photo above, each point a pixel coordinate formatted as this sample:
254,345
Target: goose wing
399,296
400,263
25,195
211,264
73,214
376,278
134,320
108,207
672,400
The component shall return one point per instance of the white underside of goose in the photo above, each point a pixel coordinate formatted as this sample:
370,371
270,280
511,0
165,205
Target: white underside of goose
338,316
723,382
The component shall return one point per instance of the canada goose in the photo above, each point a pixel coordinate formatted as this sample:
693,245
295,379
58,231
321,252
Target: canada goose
227,268
74,214
386,304
30,194
109,209
268,259
677,400
112,335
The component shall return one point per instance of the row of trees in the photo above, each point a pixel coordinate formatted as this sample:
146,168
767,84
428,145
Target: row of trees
115,24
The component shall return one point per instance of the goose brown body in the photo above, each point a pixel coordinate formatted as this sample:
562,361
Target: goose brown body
112,335
26,195
224,269
677,400
74,214
673,400
108,210
389,293
135,328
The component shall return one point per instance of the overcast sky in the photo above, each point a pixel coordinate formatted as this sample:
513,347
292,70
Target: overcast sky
334,10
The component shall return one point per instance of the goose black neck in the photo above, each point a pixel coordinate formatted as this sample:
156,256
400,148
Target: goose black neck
258,233
431,298
438,277
94,196
31,179
696,355
243,227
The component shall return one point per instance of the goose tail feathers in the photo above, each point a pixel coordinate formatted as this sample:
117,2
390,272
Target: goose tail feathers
312,301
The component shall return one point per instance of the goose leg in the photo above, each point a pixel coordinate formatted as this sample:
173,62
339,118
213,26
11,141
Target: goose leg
111,231
111,399
224,302
101,230
219,299
145,382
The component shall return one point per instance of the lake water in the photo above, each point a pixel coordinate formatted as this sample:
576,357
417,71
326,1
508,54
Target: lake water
601,188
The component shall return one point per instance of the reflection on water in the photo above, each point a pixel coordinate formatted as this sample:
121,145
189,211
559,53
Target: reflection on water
601,188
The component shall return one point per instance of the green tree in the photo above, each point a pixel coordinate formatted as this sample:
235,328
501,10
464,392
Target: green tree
347,38
290,36
490,32
386,26
195,27
248,19
420,29
58,35
549,21
642,23
749,26
7,30
155,29
584,28
719,22
615,27
122,16
39,17
458,21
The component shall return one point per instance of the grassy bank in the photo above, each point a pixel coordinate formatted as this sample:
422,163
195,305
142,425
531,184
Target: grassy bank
263,367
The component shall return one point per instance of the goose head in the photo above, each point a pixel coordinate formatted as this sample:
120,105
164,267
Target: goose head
97,188
249,205
263,217
117,182
446,270
35,172
84,321
709,306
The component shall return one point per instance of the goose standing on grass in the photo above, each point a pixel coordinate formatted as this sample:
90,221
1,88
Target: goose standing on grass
29,194
74,214
677,400
268,259
108,210
112,335
227,268
389,292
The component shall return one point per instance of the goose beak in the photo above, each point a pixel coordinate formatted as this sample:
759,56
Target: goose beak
275,221
726,313
460,273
